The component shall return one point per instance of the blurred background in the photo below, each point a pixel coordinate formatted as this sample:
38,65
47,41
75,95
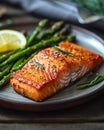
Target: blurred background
86,13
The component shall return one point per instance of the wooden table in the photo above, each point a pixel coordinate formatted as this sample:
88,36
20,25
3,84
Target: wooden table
89,116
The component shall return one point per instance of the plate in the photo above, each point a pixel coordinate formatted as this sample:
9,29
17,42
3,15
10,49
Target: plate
68,97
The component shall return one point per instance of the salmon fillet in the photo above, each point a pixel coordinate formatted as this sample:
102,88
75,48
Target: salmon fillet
50,71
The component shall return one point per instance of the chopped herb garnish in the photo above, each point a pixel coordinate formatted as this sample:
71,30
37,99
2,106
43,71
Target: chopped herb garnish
95,81
63,51
38,64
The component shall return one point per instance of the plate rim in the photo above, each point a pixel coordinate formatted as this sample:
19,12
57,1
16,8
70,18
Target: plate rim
36,106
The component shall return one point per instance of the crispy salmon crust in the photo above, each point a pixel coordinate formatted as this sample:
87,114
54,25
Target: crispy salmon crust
50,71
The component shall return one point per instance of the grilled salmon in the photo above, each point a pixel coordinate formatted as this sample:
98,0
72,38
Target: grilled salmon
50,71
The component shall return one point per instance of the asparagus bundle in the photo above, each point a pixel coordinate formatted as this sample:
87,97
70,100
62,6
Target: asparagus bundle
18,58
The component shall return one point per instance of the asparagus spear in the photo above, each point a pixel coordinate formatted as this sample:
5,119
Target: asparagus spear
6,70
51,30
5,56
38,29
95,81
64,30
18,65
48,32
31,49
41,24
21,62
7,77
5,80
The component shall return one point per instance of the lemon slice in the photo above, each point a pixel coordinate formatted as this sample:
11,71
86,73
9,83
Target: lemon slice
11,40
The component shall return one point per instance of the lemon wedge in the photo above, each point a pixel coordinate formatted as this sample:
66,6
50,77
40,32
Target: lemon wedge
11,40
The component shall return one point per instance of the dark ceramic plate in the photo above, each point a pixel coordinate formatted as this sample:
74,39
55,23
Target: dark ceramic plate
68,97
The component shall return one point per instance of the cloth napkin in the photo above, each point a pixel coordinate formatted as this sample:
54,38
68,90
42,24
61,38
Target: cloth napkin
49,9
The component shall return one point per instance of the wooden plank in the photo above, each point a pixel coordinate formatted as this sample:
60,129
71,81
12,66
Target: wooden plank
92,111
84,126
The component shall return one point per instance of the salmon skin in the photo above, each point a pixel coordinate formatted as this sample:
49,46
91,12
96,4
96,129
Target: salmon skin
50,71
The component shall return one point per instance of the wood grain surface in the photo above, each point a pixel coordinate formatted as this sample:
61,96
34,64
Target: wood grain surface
92,111
45,126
